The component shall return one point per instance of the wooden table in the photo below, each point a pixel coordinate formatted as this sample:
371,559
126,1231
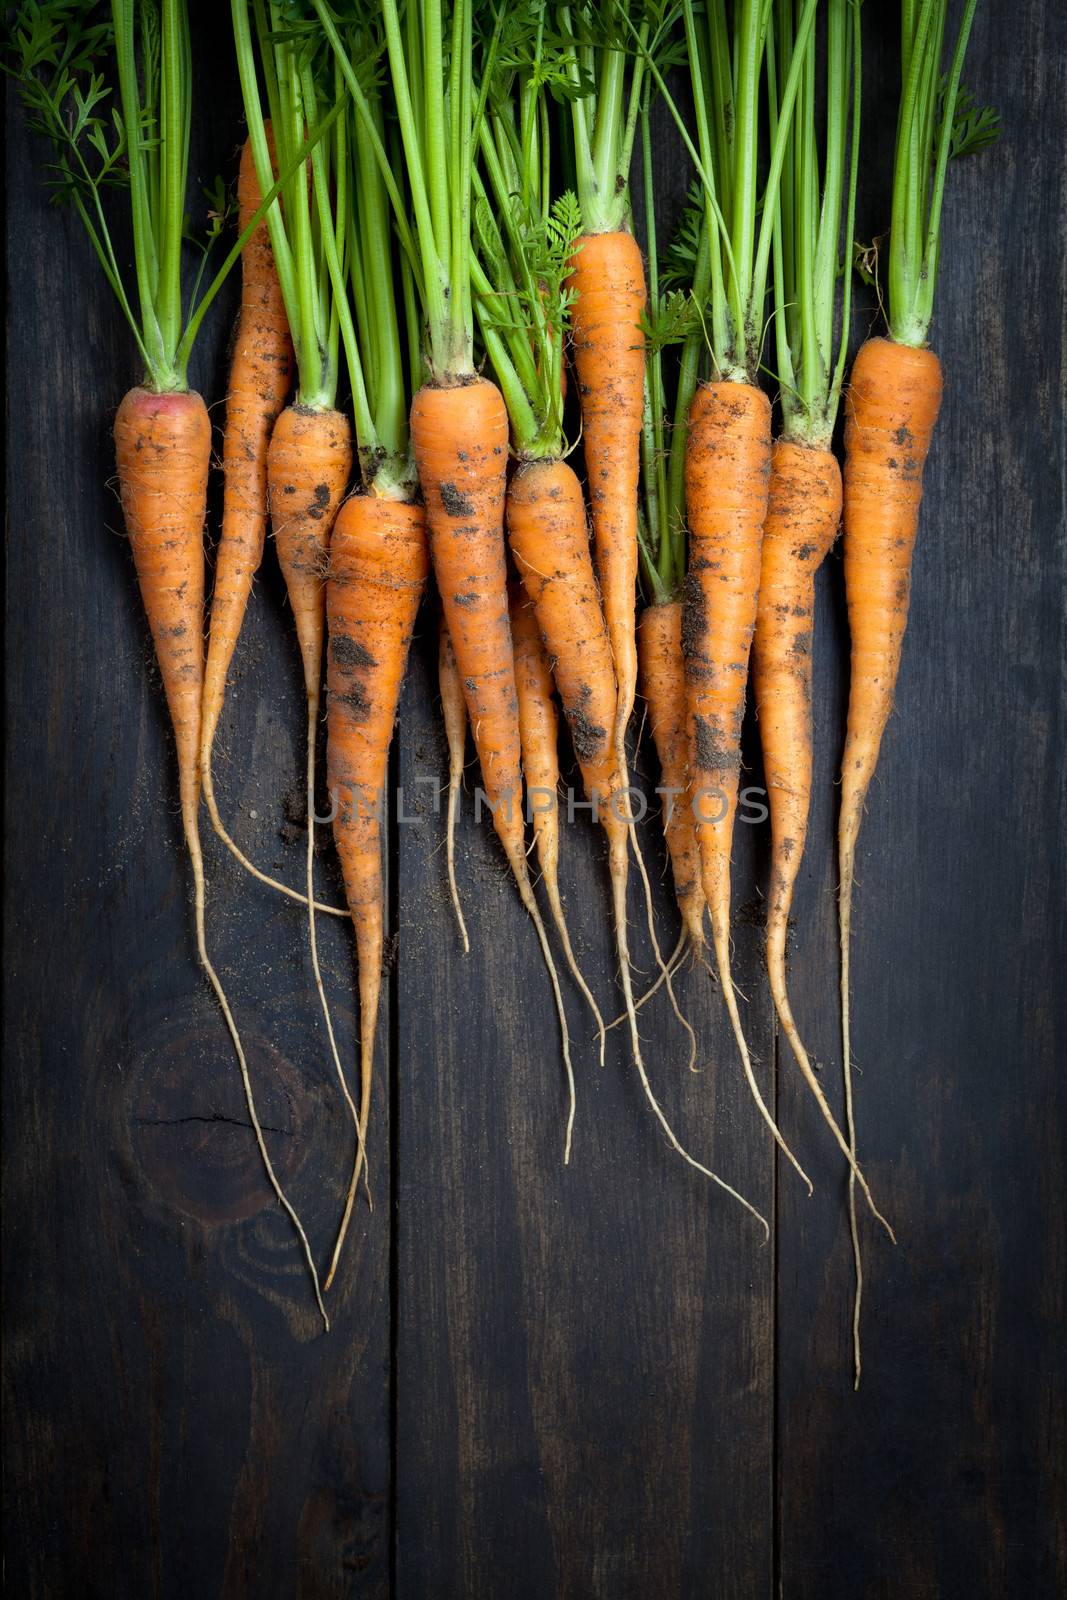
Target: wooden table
583,1382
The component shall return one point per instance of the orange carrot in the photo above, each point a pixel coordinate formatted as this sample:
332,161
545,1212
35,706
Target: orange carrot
727,468
454,710
547,532
308,466
163,453
163,450
803,517
890,410
260,379
460,439
659,649
608,282
378,567
539,738
459,434
260,375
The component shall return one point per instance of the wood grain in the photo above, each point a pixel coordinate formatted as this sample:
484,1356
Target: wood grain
543,1381
943,1476
178,1424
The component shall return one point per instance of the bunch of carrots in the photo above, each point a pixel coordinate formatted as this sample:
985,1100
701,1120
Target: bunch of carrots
431,325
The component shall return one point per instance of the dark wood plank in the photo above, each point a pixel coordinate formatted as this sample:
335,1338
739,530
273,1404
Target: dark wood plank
177,1424
586,1398
584,1353
581,1350
943,1476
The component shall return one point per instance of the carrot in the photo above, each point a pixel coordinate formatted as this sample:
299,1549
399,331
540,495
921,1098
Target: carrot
721,445
161,430
315,237
454,709
803,517
460,439
260,376
162,433
260,379
460,436
309,462
547,532
538,731
659,649
378,568
522,277
891,408
661,546
607,280
892,404
608,283
727,467
163,453
458,420
539,737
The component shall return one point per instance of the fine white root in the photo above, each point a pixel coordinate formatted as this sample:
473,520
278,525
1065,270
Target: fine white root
845,925
674,961
789,1028
455,778
454,711
551,883
526,893
250,866
312,728
664,970
618,884
193,839
721,935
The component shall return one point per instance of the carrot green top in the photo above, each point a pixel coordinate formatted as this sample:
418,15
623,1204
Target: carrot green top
810,326
936,121
661,524
429,53
732,256
309,236
523,241
67,62
603,77
383,372
722,253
